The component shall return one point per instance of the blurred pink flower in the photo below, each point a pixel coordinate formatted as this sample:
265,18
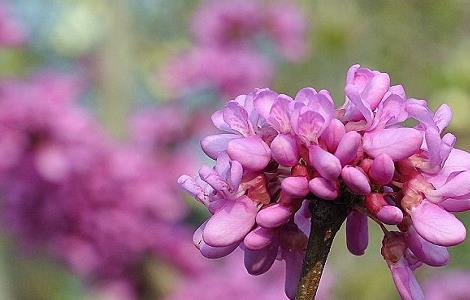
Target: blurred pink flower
238,23
450,285
39,130
228,280
45,85
12,33
228,71
67,187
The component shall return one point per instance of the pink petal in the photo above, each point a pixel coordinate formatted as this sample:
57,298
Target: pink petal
294,261
348,146
353,94
218,121
263,102
324,105
333,135
284,150
323,188
278,116
231,223
398,90
455,205
456,187
295,186
188,183
197,236
274,216
380,208
213,145
425,251
359,77
251,152
258,262
209,251
390,215
376,89
230,170
458,160
405,281
442,117
216,252
398,143
237,118
419,111
437,225
324,162
259,238
210,176
356,180
391,111
357,232
382,169
305,95
309,126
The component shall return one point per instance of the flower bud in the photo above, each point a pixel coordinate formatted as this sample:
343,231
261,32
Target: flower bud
251,152
258,262
398,143
382,169
259,238
323,188
348,146
274,216
333,135
384,212
324,162
356,181
284,150
213,145
357,233
295,186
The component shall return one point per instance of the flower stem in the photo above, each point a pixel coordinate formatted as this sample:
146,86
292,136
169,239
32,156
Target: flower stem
327,218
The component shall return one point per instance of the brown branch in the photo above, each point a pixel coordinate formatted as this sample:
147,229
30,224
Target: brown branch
327,217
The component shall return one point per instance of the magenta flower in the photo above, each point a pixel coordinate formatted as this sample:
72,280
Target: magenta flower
452,285
276,155
39,130
45,85
69,189
227,70
12,33
228,24
214,284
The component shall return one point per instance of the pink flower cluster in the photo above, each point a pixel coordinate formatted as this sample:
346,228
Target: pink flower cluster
214,284
226,56
12,34
227,24
451,285
228,71
69,188
277,153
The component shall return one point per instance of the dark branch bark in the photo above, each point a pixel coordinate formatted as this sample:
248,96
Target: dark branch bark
327,218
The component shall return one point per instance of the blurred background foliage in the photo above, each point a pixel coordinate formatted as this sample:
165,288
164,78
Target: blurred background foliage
423,45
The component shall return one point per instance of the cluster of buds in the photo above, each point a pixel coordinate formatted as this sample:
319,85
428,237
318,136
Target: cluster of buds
276,154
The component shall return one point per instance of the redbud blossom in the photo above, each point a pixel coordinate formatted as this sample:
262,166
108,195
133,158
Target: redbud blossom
304,149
